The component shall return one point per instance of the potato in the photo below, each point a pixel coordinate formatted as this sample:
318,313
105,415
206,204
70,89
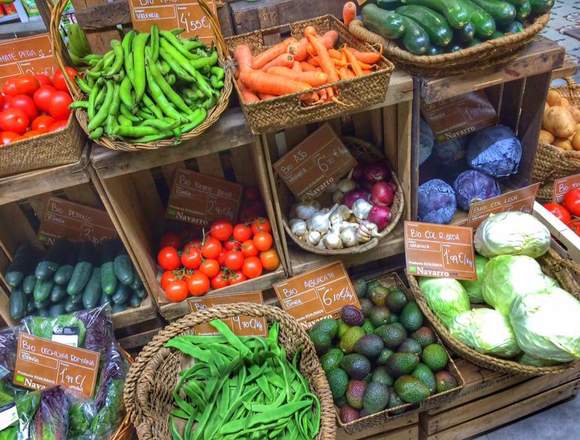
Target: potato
564,102
559,122
578,126
575,112
576,141
546,107
553,98
564,144
546,137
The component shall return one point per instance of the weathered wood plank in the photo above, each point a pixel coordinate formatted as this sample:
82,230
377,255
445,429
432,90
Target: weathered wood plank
388,430
103,15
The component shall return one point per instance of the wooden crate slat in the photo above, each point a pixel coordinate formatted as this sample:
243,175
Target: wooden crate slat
102,15
404,150
211,165
98,40
148,195
242,165
168,172
407,433
83,194
383,430
15,229
362,125
390,135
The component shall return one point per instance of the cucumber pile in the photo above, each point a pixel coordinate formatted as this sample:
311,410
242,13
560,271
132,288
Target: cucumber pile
432,27
70,277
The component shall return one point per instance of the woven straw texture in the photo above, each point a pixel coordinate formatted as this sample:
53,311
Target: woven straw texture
551,162
361,150
213,114
47,150
288,111
565,271
153,376
481,56
125,429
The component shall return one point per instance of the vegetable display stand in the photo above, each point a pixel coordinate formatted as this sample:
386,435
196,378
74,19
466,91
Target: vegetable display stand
149,387
404,427
491,399
135,187
288,110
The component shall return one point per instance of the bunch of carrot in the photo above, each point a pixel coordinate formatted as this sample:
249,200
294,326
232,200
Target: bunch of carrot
294,66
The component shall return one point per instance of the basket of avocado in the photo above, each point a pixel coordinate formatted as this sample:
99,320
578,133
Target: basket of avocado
383,360
449,37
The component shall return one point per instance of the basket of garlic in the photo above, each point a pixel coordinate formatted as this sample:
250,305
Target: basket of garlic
353,215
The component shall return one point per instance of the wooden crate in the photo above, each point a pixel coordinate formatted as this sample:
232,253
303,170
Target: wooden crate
567,242
490,399
134,187
404,427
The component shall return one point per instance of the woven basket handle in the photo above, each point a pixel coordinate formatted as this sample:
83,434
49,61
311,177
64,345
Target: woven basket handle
216,28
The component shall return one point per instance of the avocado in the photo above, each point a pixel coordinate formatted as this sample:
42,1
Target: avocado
435,356
342,328
384,356
393,334
369,346
355,392
410,346
348,414
350,338
382,376
338,381
411,317
445,381
410,389
360,287
341,401
425,375
393,318
322,341
376,397
399,364
379,315
395,401
378,294
356,365
328,326
368,327
424,336
331,359
396,300
352,316
366,305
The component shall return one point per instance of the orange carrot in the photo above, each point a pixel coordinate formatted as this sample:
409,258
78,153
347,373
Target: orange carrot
299,49
307,67
348,13
365,66
266,96
262,82
313,78
354,63
330,39
345,73
268,55
324,94
315,61
366,57
336,54
247,96
243,56
285,60
296,66
367,72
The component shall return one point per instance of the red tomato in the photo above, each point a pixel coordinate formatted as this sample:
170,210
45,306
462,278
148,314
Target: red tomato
59,81
176,291
221,230
209,267
31,134
237,277
261,224
249,249
575,226
252,267
559,212
43,80
220,280
251,193
168,258
222,257
211,248
42,123
14,120
263,241
234,260
242,232
7,137
21,85
572,202
2,100
167,278
191,257
170,239
59,104
9,87
24,103
58,125
270,259
231,244
43,96
198,284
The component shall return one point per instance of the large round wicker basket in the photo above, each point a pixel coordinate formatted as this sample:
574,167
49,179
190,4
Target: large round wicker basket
154,374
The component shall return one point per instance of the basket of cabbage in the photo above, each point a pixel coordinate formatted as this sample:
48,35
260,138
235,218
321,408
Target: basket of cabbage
522,314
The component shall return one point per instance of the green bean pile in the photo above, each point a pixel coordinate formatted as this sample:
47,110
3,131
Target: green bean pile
241,388
150,87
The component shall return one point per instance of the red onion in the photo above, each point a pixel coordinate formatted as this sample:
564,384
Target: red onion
393,186
382,194
352,196
358,173
380,216
376,172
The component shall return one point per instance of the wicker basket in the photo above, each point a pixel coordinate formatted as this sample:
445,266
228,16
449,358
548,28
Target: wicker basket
361,150
565,271
479,57
53,149
152,378
212,115
551,162
288,111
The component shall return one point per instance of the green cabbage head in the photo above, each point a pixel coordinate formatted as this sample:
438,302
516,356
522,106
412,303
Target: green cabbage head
547,325
512,233
473,288
446,297
486,331
507,277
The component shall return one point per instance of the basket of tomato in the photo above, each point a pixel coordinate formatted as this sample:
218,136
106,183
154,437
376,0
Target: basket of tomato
568,212
37,129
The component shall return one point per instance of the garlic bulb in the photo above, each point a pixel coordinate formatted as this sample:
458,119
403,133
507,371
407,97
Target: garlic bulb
346,185
348,237
319,222
337,196
306,210
343,211
362,236
372,228
361,209
332,241
313,237
345,225
298,227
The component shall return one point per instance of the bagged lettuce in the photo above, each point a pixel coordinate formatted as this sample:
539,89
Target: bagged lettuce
473,288
446,297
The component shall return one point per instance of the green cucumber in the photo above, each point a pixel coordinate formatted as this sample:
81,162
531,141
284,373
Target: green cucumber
385,23
516,2
108,277
502,12
63,274
137,284
30,308
82,271
466,35
56,310
119,308
105,300
24,262
434,23
523,11
454,48
416,40
58,293
436,50
141,293
42,304
134,301
482,21
541,6
122,294
42,290
28,284
42,312
124,269
55,256
514,28
18,304
453,10
474,42
496,34
73,303
92,292
389,5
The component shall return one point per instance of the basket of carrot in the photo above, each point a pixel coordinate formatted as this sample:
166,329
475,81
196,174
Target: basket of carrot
315,71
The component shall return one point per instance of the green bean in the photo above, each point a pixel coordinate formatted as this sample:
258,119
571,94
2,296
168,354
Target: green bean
92,102
118,52
103,111
110,125
139,65
99,66
124,121
125,92
177,31
164,67
108,59
85,88
192,44
205,61
160,99
209,102
173,65
216,83
101,96
154,43
153,137
177,44
96,133
171,79
166,88
135,131
114,110
152,107
79,104
128,55
218,72
161,124
126,112
92,58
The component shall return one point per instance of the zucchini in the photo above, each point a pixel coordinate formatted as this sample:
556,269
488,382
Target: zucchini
523,11
24,262
482,21
435,50
56,310
134,301
42,290
28,284
92,292
453,10
516,2
58,293
105,300
385,23
496,34
415,40
502,12
63,274
72,304
137,284
474,42
108,277
514,28
541,6
389,5
43,313
55,256
122,294
124,269
466,35
141,293
82,271
18,304
434,23
30,308
42,304
454,48
119,308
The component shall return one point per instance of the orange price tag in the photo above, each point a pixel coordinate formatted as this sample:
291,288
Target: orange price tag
28,55
563,185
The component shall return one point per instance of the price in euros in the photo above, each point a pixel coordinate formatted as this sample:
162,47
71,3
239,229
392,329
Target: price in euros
329,298
193,25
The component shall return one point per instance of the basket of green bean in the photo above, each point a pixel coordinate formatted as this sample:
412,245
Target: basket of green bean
151,90
223,386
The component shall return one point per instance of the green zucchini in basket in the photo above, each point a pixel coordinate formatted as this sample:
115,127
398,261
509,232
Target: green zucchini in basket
42,290
432,22
453,10
385,23
28,284
523,11
92,291
18,304
124,269
541,6
502,12
64,272
56,255
416,40
109,250
82,271
389,5
483,22
24,262
465,36
514,27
